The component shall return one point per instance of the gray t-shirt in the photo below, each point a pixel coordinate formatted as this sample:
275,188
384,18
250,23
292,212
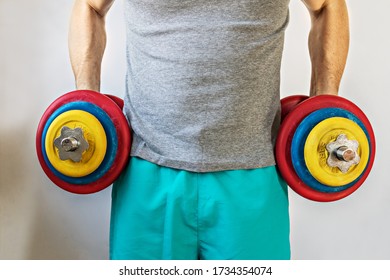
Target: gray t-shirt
203,81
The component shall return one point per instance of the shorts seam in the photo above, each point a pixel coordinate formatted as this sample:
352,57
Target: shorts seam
197,215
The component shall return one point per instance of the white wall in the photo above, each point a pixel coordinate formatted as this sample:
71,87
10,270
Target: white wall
40,221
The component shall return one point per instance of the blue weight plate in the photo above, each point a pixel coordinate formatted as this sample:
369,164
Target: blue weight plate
112,142
298,144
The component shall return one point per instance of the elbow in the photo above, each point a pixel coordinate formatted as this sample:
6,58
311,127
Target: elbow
99,7
317,8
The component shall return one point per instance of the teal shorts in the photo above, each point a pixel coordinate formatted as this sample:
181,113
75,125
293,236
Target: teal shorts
165,213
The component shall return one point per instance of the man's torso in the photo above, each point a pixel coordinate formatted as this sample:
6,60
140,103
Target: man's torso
203,81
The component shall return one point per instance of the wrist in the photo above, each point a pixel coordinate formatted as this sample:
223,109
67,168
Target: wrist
88,84
322,85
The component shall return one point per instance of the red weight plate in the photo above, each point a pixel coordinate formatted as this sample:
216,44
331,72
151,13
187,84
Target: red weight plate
123,135
118,101
290,102
286,133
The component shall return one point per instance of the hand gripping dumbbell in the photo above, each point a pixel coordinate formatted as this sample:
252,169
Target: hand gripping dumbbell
83,141
325,147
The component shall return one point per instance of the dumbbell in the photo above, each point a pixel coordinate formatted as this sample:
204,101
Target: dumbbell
83,141
325,147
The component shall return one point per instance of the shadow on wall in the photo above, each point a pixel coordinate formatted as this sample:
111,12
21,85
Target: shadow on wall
65,229
15,190
39,220
69,226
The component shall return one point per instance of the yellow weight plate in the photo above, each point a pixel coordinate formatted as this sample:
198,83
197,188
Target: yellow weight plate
316,154
94,134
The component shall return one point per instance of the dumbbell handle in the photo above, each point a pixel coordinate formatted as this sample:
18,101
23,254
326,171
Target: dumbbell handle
70,144
346,154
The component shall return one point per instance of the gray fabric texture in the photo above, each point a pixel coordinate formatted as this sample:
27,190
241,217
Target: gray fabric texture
203,81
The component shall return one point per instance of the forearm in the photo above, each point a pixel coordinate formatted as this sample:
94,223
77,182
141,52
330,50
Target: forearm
87,41
328,46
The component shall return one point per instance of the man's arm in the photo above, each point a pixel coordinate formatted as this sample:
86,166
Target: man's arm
328,44
87,41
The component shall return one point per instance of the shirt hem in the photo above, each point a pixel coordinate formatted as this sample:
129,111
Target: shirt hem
202,167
